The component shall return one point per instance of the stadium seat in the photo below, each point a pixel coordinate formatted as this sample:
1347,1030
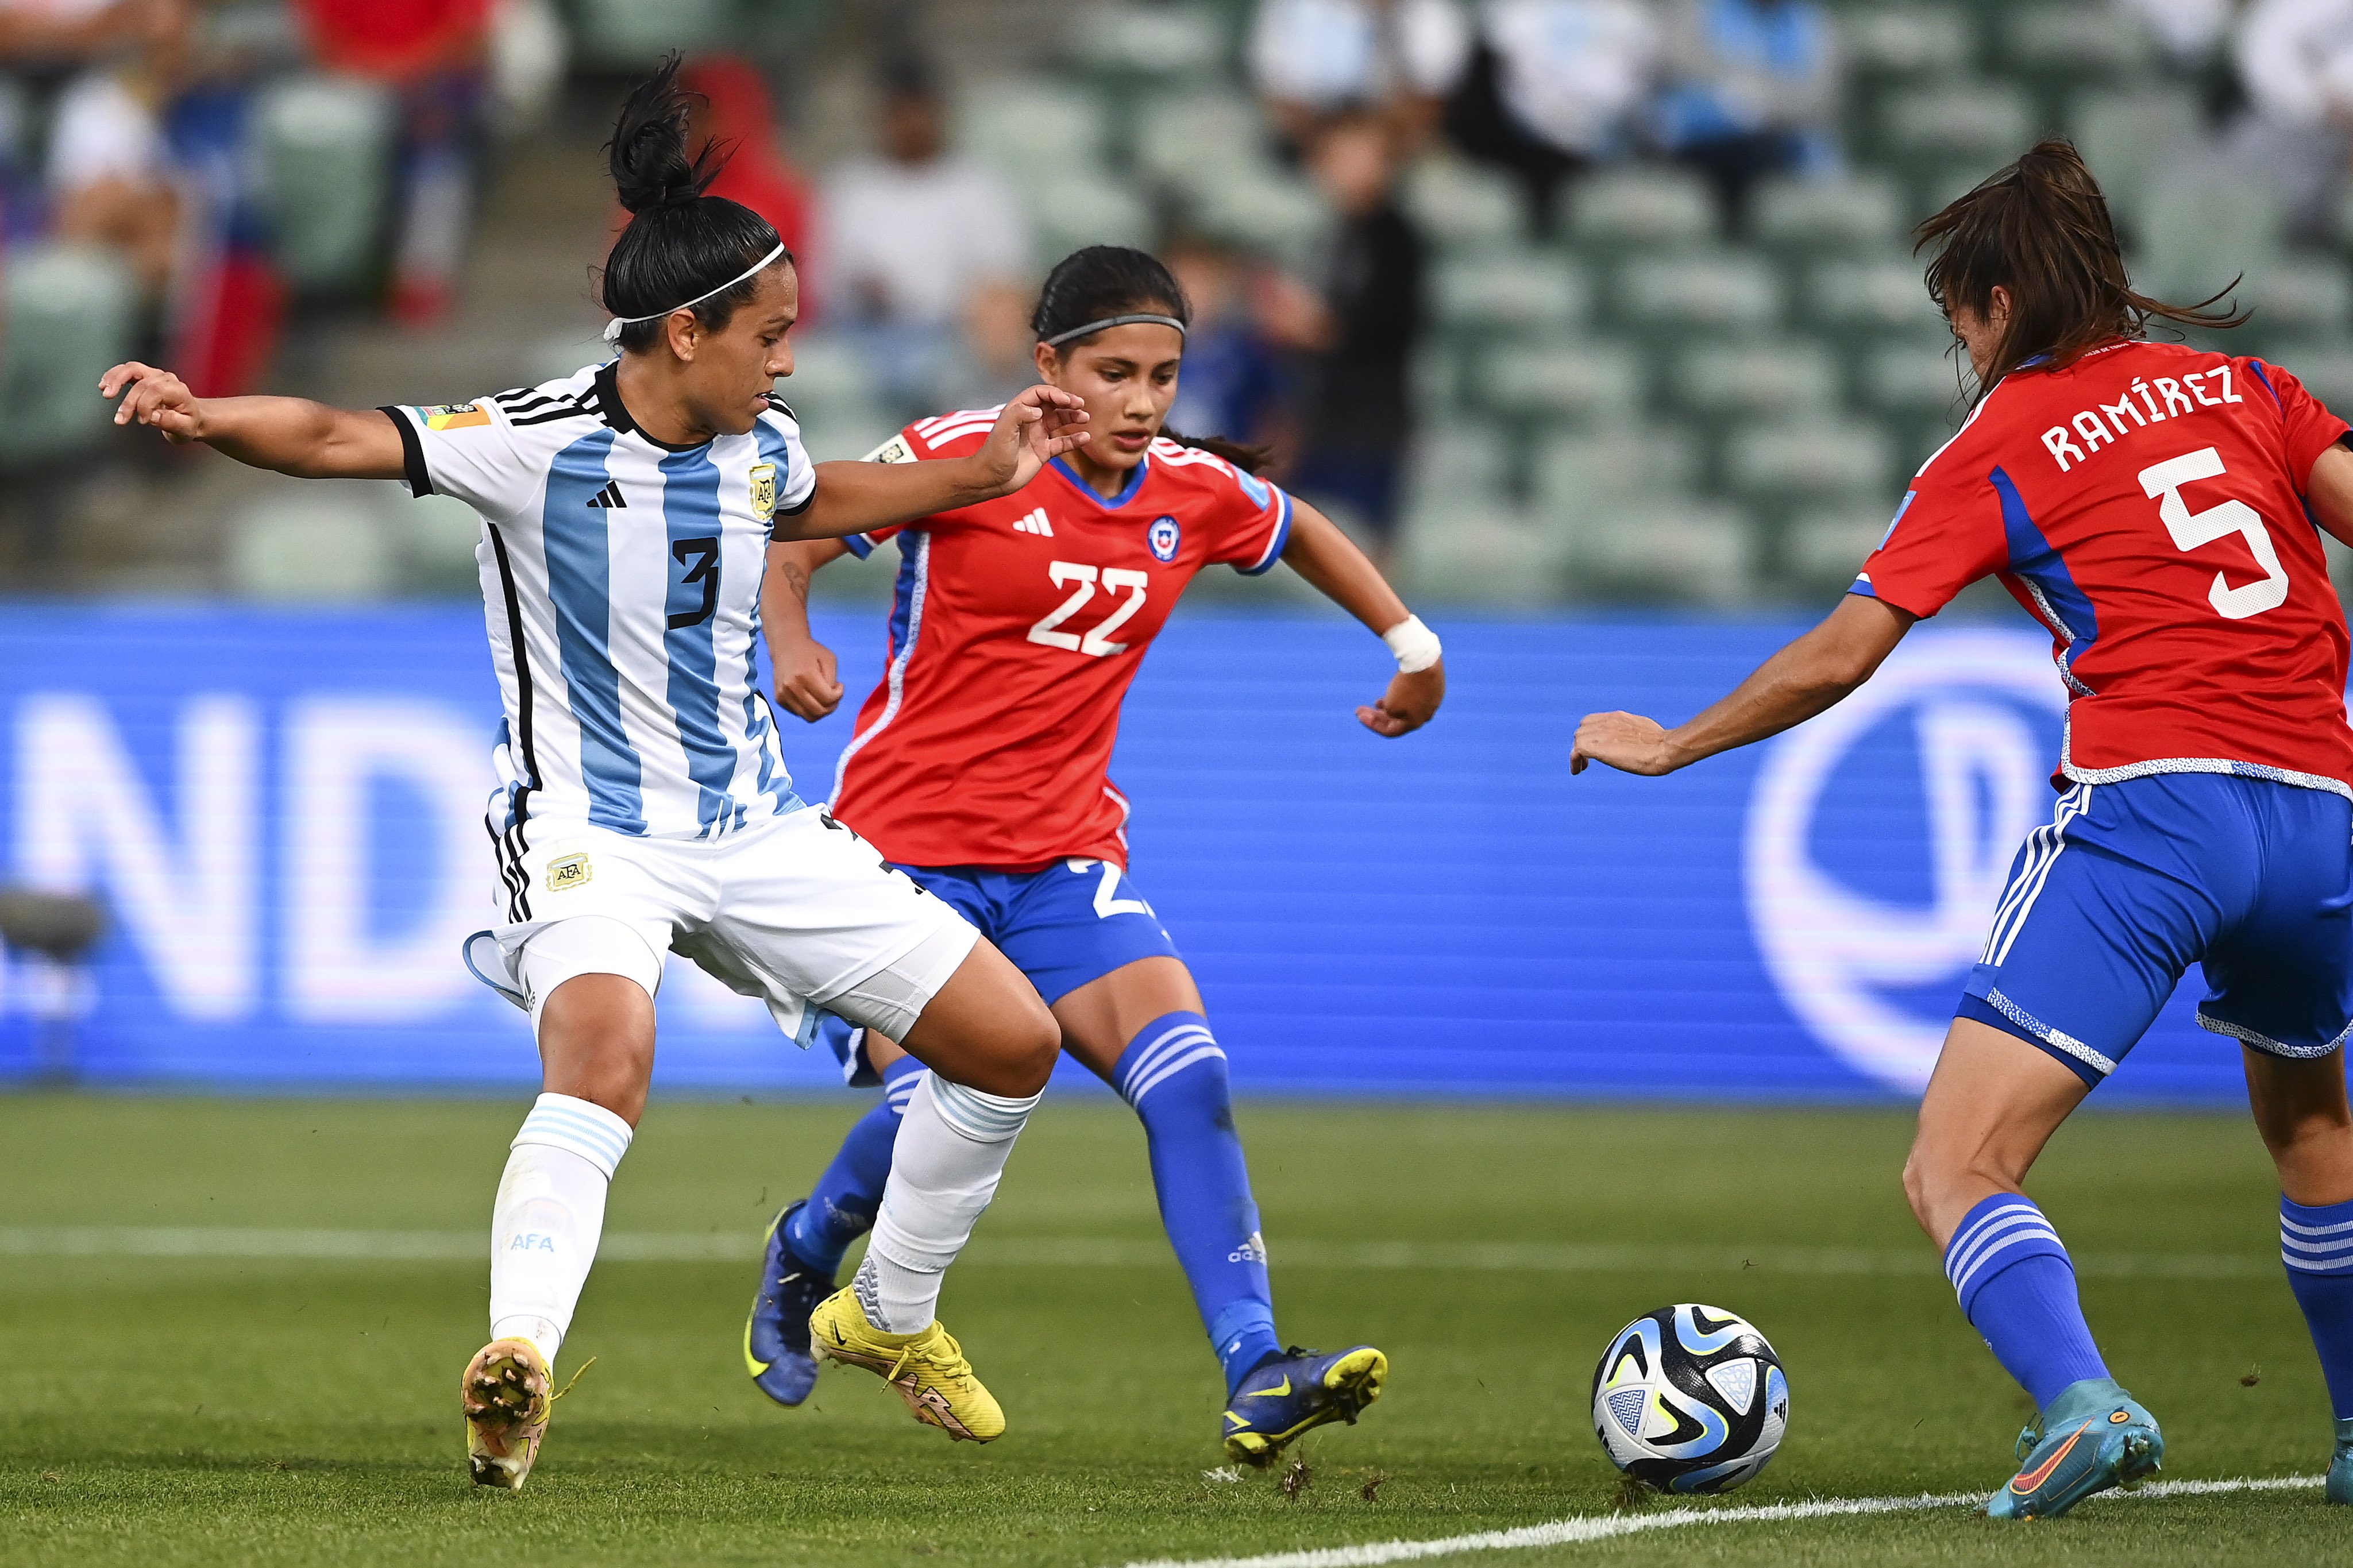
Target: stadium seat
1943,140
1457,464
1192,140
327,149
1476,551
433,544
2073,43
1647,211
832,393
1074,207
2130,138
1827,548
316,544
2296,300
1264,208
1162,40
68,312
1622,466
1906,40
2202,226
1864,302
1724,381
1460,206
1919,390
1808,459
1667,546
1029,127
1666,301
1564,381
1852,212
2325,368
623,35
1509,291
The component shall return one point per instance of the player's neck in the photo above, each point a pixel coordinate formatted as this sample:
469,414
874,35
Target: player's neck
1106,482
655,403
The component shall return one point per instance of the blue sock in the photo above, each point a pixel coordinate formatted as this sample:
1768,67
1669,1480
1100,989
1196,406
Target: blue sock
841,1205
2317,1244
1175,1076
2017,1287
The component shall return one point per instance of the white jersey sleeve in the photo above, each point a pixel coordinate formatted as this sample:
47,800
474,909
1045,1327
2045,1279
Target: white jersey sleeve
470,450
795,478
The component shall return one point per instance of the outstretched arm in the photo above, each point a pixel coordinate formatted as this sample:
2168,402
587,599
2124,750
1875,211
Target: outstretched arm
1331,562
806,684
1036,428
290,435
1810,675
2330,493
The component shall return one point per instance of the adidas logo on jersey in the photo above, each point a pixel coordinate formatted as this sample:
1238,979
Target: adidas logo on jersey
1035,523
610,496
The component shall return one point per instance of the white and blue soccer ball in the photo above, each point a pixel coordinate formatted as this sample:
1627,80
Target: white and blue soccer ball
1689,1399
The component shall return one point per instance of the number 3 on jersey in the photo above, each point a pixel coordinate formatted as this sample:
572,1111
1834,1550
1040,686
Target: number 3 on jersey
2191,530
1098,641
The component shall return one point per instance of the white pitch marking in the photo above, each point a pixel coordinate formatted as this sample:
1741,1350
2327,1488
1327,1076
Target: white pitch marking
1578,1531
1082,1252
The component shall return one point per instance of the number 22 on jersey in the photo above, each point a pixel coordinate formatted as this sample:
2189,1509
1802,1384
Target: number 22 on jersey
1097,641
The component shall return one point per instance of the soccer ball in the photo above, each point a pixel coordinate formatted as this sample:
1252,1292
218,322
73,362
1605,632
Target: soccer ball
1689,1399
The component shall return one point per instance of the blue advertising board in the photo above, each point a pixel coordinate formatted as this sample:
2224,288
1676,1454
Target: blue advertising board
282,813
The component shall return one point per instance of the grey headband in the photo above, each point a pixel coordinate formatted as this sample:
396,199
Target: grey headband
1060,338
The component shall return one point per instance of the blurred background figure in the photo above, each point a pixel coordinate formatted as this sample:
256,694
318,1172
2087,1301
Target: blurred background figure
736,108
1751,89
1355,409
1309,58
1233,383
2295,58
1554,87
924,258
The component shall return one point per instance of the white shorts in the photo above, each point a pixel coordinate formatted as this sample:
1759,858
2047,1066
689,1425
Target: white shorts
797,911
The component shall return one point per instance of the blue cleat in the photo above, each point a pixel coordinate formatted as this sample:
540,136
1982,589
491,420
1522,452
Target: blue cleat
776,1335
1280,1399
2093,1437
2340,1489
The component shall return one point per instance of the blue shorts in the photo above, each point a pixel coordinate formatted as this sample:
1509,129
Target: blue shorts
2133,882
1074,922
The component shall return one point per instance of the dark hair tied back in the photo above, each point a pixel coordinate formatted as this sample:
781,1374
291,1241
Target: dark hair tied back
1105,281
680,243
2041,229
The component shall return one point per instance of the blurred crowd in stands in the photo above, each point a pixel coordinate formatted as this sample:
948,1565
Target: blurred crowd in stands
1452,260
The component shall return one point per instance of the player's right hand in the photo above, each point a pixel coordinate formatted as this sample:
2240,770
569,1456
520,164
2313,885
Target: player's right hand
806,683
152,397
1627,741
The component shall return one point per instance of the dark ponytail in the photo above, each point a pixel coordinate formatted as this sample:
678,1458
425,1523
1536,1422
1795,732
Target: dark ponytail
680,243
2041,229
1106,280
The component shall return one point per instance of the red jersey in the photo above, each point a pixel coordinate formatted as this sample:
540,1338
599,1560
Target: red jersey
1018,626
2145,503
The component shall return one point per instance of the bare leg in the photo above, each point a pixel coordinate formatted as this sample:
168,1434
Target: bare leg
1991,1105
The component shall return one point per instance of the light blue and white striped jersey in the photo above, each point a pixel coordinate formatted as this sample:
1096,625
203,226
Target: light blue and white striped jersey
621,585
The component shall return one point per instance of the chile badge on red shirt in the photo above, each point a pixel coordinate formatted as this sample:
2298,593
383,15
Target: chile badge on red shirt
1015,628
2145,502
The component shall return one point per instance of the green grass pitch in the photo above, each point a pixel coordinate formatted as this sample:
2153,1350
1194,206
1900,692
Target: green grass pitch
203,1409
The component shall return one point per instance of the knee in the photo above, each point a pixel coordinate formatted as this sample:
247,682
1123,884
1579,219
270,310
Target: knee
1916,1184
596,1043
1022,1055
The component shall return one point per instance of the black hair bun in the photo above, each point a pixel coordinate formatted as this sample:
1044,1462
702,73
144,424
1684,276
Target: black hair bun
648,158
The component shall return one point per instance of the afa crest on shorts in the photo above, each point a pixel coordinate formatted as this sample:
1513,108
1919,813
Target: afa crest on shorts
764,490
1165,538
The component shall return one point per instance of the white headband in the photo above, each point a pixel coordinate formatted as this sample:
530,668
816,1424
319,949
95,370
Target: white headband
613,328
1060,338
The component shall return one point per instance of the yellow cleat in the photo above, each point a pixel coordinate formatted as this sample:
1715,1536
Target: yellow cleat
506,1393
927,1370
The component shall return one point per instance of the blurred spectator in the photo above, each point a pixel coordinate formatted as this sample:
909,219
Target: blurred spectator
925,256
1311,57
1232,381
434,53
2188,31
1554,89
1356,407
2295,58
737,108
1751,89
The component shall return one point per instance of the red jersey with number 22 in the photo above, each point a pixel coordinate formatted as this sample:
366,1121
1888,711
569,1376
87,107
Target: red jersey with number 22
2145,503
1018,626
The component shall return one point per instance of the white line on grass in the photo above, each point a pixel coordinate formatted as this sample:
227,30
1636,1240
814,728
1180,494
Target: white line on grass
1080,1252
1578,1531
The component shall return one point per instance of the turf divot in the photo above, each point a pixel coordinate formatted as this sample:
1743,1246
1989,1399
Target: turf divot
1605,1527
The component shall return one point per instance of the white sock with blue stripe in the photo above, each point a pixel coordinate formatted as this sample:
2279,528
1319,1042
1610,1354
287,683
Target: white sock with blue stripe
951,1150
549,1215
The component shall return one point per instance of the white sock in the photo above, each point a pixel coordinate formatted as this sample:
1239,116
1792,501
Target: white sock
951,1149
549,1215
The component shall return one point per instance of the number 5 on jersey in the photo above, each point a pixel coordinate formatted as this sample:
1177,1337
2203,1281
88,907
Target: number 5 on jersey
2162,484
1096,642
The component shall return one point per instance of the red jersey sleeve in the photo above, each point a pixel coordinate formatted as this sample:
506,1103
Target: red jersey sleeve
945,436
2311,430
1249,517
1947,534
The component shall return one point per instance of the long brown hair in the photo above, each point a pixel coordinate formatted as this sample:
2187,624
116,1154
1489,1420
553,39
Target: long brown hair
2041,229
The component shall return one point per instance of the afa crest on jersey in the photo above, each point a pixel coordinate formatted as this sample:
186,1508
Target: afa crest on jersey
764,490
456,416
1165,538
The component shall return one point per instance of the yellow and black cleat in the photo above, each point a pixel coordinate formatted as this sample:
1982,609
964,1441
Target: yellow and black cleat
926,1370
1296,1392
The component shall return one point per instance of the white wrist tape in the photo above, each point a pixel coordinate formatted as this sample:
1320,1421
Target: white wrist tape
1415,645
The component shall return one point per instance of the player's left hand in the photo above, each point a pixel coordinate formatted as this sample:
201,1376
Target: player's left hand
1627,741
1037,426
1411,702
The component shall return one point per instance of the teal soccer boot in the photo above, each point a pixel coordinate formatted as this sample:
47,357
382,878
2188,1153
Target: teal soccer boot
2340,1489
2093,1437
